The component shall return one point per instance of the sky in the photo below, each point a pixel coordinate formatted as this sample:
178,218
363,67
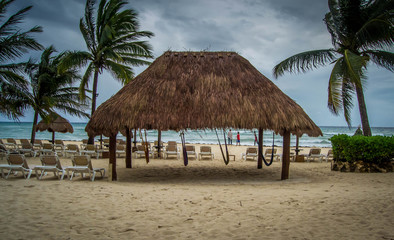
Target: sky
263,31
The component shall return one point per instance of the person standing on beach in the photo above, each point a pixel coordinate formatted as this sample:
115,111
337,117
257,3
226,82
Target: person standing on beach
256,142
230,137
238,139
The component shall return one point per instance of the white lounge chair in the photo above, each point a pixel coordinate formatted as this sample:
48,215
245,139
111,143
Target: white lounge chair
37,145
50,163
140,152
16,163
206,152
171,150
27,148
23,141
71,149
47,149
314,153
11,144
82,164
251,153
268,154
89,149
3,151
329,156
191,151
120,149
59,146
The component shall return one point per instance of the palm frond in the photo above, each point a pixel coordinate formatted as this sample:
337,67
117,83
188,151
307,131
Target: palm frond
335,88
305,61
85,80
8,27
355,65
74,59
120,72
382,59
376,32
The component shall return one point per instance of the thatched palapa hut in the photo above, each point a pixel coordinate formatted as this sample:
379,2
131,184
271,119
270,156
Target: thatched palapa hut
200,90
55,123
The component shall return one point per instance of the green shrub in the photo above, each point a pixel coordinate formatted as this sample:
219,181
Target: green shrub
376,149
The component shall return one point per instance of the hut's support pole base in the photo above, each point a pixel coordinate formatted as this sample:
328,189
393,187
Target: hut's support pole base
112,158
286,156
260,150
128,149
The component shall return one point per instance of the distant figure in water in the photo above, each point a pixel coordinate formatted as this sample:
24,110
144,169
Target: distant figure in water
238,139
256,142
358,132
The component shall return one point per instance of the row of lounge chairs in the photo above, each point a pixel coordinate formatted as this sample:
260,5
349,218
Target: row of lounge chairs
50,163
314,153
173,150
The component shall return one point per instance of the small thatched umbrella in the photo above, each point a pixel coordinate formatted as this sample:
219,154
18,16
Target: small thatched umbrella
200,90
55,124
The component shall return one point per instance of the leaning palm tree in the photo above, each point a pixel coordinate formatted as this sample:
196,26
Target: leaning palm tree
112,42
49,89
361,32
13,44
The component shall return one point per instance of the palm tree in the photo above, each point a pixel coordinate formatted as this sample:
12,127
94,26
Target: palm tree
112,42
13,44
361,31
49,89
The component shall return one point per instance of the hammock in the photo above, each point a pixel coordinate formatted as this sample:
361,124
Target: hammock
226,160
183,141
272,153
146,146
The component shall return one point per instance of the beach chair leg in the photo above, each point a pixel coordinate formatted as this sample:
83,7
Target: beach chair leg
9,172
29,174
42,174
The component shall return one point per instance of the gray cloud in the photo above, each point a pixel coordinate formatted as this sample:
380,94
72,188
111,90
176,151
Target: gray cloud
263,31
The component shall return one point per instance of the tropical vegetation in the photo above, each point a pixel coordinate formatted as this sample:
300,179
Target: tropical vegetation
376,149
14,43
112,39
361,32
50,89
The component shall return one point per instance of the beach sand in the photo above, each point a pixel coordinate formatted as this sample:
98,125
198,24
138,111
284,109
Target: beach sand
205,200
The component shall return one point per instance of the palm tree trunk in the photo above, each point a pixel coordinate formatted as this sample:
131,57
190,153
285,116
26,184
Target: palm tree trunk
33,130
94,96
363,111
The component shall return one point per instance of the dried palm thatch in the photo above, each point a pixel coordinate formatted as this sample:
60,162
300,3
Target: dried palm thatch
57,125
200,90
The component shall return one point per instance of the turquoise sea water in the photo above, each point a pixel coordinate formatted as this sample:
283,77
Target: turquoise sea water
23,130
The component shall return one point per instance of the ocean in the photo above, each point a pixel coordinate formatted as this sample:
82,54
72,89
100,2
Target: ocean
23,130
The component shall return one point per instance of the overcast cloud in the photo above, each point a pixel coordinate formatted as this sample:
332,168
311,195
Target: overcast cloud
264,32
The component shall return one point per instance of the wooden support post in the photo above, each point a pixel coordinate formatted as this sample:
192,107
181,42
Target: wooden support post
260,150
159,144
286,155
128,148
112,157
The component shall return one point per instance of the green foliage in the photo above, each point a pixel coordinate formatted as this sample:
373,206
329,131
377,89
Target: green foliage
14,43
361,32
376,149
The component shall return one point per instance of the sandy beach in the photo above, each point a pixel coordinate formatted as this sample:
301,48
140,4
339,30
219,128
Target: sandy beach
205,200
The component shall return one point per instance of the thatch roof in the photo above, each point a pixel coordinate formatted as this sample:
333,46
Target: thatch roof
200,90
57,125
